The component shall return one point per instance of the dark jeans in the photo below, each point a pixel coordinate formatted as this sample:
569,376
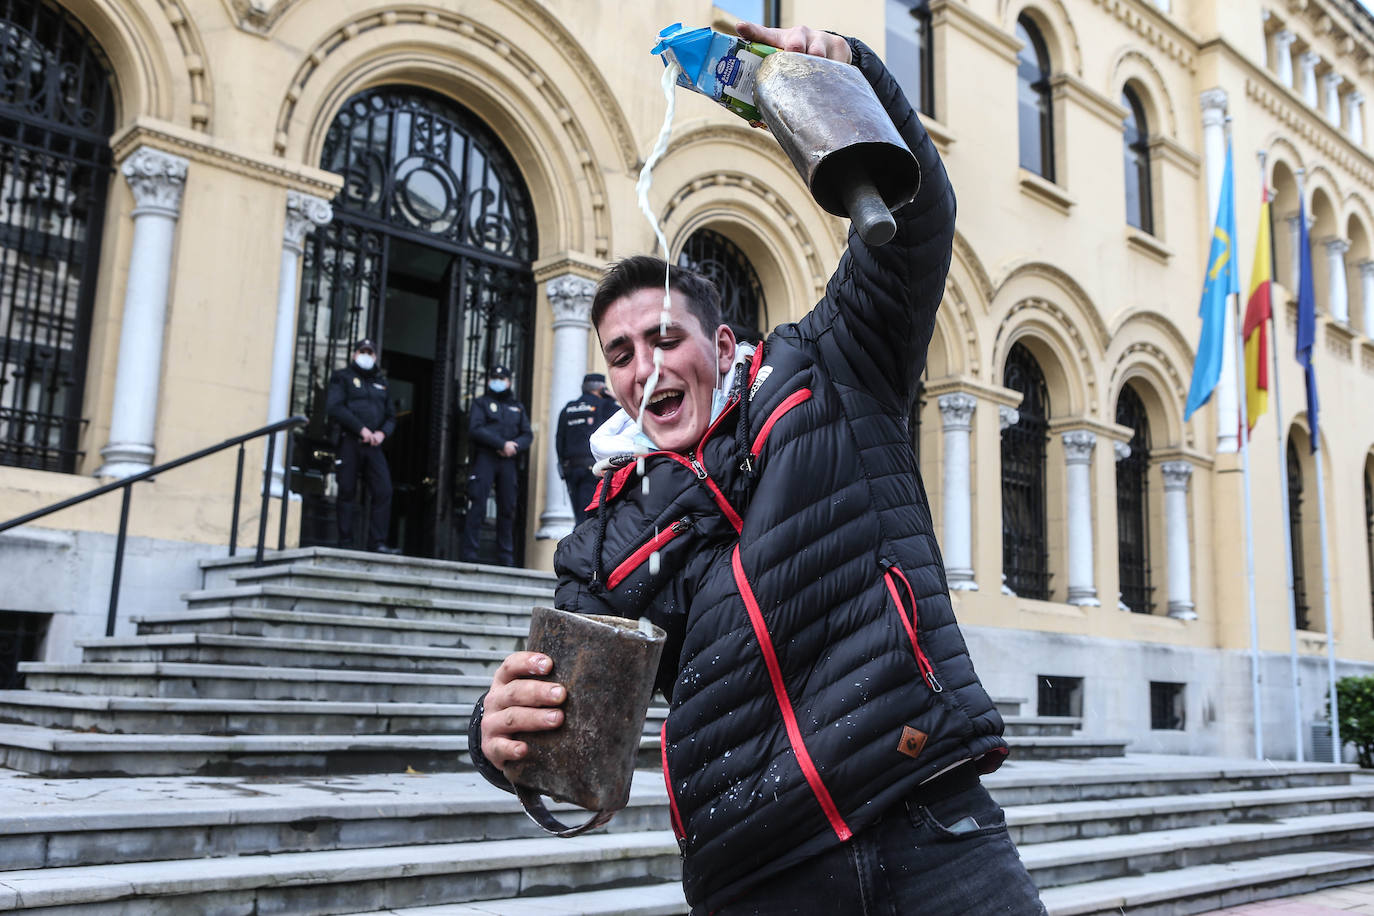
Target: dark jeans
909,862
487,468
367,461
581,485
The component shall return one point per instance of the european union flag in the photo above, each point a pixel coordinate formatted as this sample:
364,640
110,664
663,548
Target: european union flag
1307,321
1222,280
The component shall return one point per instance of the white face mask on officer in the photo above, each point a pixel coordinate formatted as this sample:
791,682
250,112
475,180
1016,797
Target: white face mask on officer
365,361
498,385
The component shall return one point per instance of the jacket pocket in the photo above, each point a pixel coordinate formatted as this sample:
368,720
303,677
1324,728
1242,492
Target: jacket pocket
673,813
646,550
897,584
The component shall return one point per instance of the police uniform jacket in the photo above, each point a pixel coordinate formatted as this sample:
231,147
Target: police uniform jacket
815,671
495,419
575,426
358,399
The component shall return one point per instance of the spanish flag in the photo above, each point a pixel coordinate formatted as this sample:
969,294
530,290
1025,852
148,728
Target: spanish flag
1255,330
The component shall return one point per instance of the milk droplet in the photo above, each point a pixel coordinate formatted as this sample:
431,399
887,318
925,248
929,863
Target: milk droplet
653,563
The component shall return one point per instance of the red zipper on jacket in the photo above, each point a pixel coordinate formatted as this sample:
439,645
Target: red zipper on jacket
799,396
789,716
911,626
646,550
673,814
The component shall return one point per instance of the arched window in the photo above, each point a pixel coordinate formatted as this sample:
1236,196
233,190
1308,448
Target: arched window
56,117
909,52
1133,506
1025,534
1034,116
723,263
1295,535
1136,150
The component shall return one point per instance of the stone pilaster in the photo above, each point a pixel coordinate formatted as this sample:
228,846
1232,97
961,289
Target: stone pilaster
1078,452
956,412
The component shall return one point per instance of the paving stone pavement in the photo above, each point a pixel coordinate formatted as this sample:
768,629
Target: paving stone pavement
1351,898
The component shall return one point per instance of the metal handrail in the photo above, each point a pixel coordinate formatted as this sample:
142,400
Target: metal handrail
126,484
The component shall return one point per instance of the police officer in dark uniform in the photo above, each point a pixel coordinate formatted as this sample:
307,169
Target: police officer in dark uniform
499,427
359,401
579,418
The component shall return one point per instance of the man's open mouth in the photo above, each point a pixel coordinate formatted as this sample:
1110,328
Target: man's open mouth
665,404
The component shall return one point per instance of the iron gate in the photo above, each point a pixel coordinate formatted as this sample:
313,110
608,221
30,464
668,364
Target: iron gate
1025,552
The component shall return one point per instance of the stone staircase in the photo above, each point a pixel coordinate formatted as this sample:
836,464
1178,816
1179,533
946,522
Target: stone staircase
294,742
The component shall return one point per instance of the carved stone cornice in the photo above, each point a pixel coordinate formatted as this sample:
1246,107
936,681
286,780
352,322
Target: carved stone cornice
1156,28
1301,121
303,213
157,180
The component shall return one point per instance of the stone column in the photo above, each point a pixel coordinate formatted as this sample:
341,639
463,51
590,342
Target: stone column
570,298
1122,451
1354,110
303,213
1339,302
157,180
1295,237
1176,475
1007,416
1283,56
1331,83
956,412
1225,399
1367,296
1308,62
1078,456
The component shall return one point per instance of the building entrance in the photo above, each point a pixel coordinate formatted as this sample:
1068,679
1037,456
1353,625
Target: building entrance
429,255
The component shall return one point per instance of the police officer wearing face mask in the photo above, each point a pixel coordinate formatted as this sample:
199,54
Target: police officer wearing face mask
358,400
580,417
499,428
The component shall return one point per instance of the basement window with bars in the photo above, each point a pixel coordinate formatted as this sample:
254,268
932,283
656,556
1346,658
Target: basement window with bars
1059,696
21,634
1166,706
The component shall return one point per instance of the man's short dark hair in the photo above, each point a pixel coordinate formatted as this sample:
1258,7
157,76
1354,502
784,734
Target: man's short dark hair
642,271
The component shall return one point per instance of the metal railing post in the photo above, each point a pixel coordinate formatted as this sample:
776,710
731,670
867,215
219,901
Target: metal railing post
238,495
266,498
118,560
285,491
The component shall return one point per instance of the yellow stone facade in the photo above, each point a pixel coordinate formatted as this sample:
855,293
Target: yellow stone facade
246,90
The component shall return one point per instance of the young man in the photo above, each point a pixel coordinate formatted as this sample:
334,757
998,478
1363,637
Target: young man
826,728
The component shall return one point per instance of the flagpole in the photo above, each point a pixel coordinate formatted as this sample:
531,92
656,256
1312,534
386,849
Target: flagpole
1244,432
1326,601
1279,422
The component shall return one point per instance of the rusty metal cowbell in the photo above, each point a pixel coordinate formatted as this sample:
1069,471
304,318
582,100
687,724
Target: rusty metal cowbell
840,139
608,666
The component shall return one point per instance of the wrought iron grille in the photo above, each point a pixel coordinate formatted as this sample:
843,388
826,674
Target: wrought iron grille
1059,696
722,262
1133,506
1300,608
1025,533
1167,708
56,117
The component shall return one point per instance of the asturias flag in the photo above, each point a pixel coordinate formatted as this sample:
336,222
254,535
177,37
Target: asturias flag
1255,329
1221,282
1307,321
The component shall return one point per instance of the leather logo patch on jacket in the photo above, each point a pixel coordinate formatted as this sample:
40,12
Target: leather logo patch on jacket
912,742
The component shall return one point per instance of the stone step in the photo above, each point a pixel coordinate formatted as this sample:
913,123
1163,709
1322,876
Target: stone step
180,716
303,625
1009,706
453,586
338,601
1088,820
1060,747
641,900
362,563
1202,888
1037,782
345,881
1050,726
1078,861
243,682
119,821
216,649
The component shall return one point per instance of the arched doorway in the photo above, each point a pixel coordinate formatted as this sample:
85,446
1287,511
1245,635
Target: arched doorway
429,254
1025,526
725,264
56,116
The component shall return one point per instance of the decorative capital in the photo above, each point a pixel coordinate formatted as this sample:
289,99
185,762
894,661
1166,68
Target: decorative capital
1007,416
1176,475
157,180
1333,79
1355,99
1366,270
570,297
303,213
1336,246
1078,446
957,410
1309,61
1284,39
1213,107
1122,450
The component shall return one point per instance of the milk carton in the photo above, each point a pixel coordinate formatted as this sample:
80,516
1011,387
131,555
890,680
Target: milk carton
716,65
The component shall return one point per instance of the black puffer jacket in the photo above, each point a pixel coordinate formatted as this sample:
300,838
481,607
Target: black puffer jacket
815,670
